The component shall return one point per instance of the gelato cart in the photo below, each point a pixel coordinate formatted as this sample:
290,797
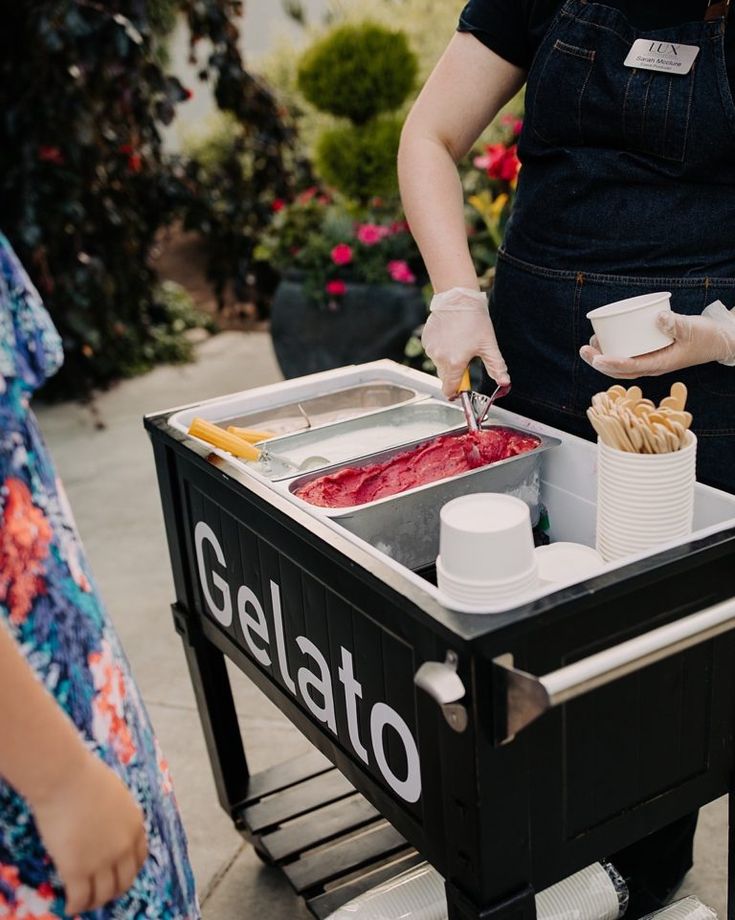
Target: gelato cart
509,748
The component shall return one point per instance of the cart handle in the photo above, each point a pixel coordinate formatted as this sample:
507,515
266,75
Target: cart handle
526,697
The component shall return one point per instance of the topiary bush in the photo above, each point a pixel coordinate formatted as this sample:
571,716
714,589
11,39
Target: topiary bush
360,160
359,73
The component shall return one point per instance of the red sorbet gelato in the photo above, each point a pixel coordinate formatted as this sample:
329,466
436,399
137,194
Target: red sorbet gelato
437,459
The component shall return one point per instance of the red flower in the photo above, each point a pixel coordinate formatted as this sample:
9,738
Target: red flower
307,195
278,204
53,155
336,288
400,272
135,163
500,162
342,254
371,234
187,93
25,535
514,123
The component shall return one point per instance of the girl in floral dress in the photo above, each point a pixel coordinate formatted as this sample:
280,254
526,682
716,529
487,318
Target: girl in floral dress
88,820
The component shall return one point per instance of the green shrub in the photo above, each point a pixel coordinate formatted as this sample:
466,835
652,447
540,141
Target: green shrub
358,72
429,25
360,160
85,184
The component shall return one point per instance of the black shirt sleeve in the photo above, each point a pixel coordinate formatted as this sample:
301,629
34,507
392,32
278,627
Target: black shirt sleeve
501,25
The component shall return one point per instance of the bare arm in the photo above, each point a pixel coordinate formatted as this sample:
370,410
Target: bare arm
40,745
466,90
89,822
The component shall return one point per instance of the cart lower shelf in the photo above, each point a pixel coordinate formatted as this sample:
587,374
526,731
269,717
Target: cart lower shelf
332,845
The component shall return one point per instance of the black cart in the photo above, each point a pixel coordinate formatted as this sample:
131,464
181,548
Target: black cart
509,750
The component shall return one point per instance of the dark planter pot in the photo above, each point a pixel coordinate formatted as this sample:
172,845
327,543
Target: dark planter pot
369,322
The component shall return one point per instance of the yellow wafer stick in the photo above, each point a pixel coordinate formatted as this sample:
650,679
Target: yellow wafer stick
249,434
217,437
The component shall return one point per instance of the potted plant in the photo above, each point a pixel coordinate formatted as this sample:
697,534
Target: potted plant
349,290
351,274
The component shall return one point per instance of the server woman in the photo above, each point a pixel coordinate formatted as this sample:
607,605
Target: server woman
627,186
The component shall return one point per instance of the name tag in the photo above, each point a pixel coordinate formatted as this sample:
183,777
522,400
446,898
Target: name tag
663,56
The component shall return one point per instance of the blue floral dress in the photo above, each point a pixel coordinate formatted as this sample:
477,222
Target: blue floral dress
50,605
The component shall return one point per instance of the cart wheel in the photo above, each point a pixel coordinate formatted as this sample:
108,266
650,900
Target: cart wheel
262,855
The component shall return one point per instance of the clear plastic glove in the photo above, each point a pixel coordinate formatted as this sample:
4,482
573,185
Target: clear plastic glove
459,329
697,340
94,832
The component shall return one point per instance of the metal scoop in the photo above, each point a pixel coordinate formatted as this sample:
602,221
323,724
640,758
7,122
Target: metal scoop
476,407
482,404
309,463
465,395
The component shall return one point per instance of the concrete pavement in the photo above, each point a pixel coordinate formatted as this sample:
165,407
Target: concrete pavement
110,479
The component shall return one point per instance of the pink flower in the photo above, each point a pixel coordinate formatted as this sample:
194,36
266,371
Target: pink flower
399,271
500,162
342,254
306,196
512,122
371,234
278,204
336,288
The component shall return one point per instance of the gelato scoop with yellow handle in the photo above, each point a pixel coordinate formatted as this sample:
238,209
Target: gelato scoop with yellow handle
237,445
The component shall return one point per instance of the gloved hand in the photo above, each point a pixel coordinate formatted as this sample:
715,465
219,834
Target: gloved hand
697,340
458,329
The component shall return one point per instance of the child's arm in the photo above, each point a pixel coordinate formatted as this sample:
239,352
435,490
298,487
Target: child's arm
89,822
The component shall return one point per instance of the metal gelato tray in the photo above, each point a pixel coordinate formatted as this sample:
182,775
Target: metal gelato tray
322,448
406,526
324,410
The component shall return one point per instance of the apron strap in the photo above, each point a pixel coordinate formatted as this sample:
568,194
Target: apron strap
717,9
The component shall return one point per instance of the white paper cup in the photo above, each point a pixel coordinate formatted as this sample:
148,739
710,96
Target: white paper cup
644,517
486,588
559,562
652,464
690,908
587,895
628,328
417,894
643,500
486,537
479,594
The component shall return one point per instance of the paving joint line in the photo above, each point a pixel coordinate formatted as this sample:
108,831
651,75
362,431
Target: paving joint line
220,874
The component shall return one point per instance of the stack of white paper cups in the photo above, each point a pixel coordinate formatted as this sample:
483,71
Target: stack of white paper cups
690,908
596,893
644,499
486,553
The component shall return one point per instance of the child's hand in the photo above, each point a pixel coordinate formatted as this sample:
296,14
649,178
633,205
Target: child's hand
94,833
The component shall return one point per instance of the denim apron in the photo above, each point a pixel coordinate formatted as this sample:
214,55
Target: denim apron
627,187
